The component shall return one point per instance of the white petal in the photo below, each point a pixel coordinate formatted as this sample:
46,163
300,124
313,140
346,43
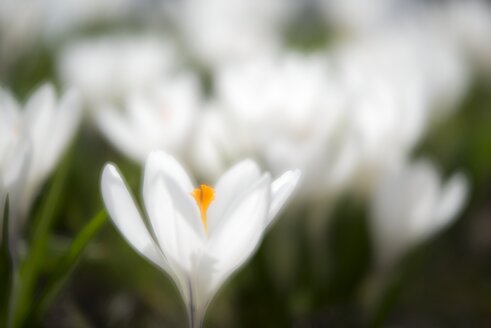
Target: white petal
402,207
38,109
9,108
237,236
160,175
159,162
452,199
65,122
231,186
16,175
39,117
421,188
281,189
126,218
160,211
121,134
178,230
141,114
2,202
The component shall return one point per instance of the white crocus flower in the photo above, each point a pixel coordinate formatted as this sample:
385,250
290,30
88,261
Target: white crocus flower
291,111
160,118
434,80
358,16
26,24
210,28
217,143
38,134
109,67
13,173
411,205
199,236
396,89
15,154
384,125
469,22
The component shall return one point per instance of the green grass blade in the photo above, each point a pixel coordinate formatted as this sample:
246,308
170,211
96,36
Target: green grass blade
67,264
43,222
6,270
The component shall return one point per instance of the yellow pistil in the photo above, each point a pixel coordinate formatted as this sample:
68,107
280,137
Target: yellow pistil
204,195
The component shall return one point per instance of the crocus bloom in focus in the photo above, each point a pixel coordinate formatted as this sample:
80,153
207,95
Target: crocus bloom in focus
411,205
199,235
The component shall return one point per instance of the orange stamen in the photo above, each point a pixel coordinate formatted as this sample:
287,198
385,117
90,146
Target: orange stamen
204,195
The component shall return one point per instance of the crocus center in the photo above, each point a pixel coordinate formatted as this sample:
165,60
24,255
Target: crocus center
204,195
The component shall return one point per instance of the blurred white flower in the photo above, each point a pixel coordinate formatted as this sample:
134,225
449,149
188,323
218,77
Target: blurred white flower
199,236
216,143
290,110
108,68
220,31
24,23
12,184
347,117
420,62
3,195
359,16
37,133
161,117
469,22
386,112
396,84
14,158
411,205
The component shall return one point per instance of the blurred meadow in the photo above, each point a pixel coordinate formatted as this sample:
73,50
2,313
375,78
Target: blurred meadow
384,106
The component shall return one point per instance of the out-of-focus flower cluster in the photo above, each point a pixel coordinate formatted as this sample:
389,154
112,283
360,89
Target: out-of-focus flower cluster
224,83
213,82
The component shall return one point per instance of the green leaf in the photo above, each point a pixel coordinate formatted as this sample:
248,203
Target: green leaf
348,250
6,269
394,286
67,264
43,222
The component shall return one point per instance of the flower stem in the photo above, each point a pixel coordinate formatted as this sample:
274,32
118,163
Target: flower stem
195,318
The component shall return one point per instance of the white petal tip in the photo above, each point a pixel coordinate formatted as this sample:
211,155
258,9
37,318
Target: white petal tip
159,155
296,175
110,171
110,168
292,177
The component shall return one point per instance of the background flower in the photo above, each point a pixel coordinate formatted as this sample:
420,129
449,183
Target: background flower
411,205
163,117
34,138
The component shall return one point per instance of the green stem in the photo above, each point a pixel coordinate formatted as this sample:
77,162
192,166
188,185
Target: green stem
391,291
66,265
7,269
43,222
